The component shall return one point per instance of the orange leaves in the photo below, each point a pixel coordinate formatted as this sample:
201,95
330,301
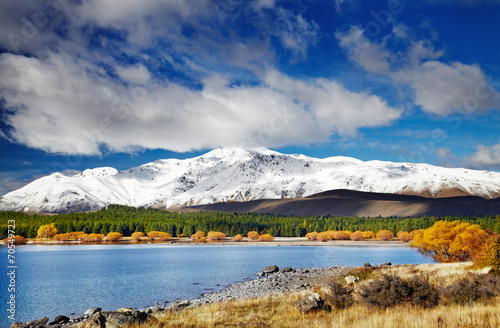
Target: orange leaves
136,236
450,241
404,236
238,238
17,240
47,231
196,237
159,235
385,235
312,235
253,235
214,235
369,234
357,236
114,236
266,237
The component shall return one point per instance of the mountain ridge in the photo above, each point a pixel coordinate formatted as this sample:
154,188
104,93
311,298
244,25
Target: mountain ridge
236,174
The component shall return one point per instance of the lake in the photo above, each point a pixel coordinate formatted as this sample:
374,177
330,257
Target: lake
64,279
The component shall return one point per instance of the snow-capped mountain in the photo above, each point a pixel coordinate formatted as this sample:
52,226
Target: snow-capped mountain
234,174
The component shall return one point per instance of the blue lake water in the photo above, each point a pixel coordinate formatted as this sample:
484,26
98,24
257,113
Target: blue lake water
66,279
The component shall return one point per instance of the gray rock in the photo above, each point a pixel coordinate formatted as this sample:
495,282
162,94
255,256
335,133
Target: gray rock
60,320
261,273
117,319
96,320
271,269
156,308
386,264
310,303
367,265
92,311
178,305
125,309
39,323
19,325
288,269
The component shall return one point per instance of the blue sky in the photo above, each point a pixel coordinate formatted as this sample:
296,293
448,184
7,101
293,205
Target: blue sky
122,82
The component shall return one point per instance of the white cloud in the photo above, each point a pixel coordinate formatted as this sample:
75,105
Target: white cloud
66,105
484,157
445,153
137,74
370,55
438,87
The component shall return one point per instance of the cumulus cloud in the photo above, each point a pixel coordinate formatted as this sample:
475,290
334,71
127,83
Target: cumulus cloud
445,153
484,158
438,87
67,105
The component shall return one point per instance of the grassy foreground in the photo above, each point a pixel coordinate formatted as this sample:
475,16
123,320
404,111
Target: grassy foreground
280,311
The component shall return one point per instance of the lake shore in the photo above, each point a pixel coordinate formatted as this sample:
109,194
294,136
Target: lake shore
277,241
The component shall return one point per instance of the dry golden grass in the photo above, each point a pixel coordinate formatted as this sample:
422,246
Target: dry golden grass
280,311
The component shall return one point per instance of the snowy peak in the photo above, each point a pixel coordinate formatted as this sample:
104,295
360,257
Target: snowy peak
235,174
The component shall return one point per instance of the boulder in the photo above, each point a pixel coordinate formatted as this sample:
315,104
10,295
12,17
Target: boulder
92,311
178,305
310,303
367,265
287,269
114,319
261,273
350,280
19,325
60,320
156,308
125,309
386,264
39,323
271,269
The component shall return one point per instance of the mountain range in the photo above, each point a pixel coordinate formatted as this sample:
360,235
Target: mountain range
241,175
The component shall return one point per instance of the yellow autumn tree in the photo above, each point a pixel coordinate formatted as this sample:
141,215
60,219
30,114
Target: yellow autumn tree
450,241
253,235
47,231
215,235
137,235
357,236
238,238
404,236
385,235
266,237
114,236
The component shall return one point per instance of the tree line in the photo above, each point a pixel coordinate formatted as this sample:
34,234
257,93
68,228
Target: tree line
128,220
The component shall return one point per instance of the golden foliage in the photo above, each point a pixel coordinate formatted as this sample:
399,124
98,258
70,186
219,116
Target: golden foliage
404,236
114,236
47,231
253,235
202,239
450,241
137,235
215,235
369,234
238,238
312,235
489,254
196,236
159,235
266,237
92,237
385,235
17,240
357,236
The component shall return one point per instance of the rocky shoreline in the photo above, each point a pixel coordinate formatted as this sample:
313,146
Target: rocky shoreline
270,281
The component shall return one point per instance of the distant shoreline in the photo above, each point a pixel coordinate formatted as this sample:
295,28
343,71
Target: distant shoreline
277,242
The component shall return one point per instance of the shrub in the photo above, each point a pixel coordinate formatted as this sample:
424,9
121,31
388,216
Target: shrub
253,235
163,236
153,234
202,240
266,237
489,255
238,238
47,231
197,235
391,290
137,236
404,236
385,235
473,288
114,236
17,240
342,235
369,234
214,235
312,235
357,236
93,237
338,296
323,236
